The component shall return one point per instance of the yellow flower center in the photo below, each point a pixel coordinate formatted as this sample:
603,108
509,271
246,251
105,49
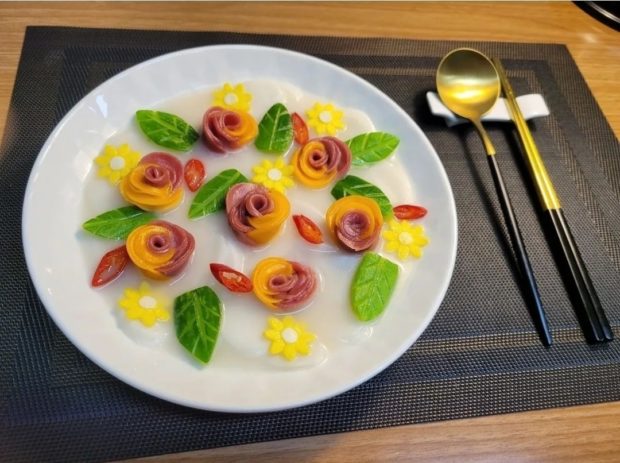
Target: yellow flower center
147,302
289,335
231,99
117,163
325,117
274,174
405,238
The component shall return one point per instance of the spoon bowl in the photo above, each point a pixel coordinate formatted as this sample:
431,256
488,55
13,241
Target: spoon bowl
468,83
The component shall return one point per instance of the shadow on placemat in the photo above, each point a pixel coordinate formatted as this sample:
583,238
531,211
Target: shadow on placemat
481,354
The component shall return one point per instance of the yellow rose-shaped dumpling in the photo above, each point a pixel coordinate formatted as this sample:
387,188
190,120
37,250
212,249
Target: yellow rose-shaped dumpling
160,249
283,285
255,214
155,184
320,161
355,222
225,130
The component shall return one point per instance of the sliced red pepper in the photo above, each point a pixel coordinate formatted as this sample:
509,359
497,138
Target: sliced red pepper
233,280
112,265
409,212
308,229
300,129
194,173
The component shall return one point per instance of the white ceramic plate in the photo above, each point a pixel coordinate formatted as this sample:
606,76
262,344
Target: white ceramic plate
53,215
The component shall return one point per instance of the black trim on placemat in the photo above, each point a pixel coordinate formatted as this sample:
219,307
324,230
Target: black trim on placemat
480,355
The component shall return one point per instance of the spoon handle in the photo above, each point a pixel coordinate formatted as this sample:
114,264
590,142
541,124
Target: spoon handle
526,273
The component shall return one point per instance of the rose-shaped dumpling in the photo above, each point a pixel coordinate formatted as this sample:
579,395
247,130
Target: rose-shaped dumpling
155,183
320,161
283,285
355,222
160,249
226,130
255,214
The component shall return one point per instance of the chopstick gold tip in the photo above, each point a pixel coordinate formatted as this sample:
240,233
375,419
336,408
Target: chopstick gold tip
544,186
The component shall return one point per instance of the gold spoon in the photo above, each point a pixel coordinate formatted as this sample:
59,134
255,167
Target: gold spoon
469,85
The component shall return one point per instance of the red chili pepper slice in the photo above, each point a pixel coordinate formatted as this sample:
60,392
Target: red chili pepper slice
409,212
233,280
308,229
300,129
194,173
112,265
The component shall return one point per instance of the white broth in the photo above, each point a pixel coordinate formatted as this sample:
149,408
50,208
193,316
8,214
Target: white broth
241,343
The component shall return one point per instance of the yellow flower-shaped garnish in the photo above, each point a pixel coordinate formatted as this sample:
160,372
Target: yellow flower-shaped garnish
405,239
288,337
325,119
232,97
273,175
116,162
144,305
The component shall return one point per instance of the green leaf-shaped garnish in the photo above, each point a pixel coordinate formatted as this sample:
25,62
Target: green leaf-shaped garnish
352,185
167,130
117,224
197,316
372,286
372,147
275,131
212,195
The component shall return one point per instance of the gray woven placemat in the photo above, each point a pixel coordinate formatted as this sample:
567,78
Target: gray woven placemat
479,356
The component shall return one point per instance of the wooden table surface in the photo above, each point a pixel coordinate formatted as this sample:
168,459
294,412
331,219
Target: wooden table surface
586,433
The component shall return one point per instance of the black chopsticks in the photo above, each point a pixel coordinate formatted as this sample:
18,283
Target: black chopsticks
592,318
